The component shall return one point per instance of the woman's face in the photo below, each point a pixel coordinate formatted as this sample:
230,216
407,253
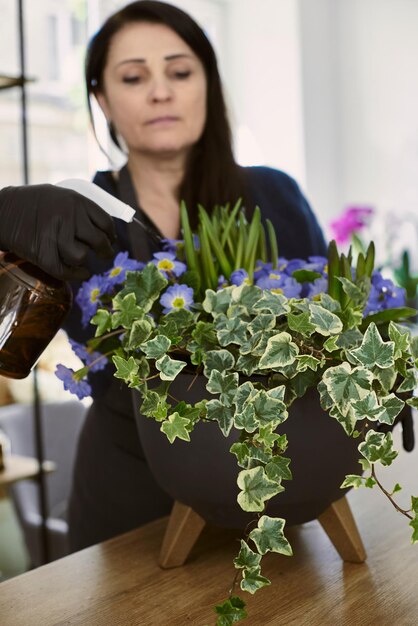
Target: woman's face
154,90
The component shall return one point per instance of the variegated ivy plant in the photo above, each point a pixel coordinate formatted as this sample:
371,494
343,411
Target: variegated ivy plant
218,305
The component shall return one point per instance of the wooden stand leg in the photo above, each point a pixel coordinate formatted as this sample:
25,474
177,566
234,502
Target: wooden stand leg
338,522
183,530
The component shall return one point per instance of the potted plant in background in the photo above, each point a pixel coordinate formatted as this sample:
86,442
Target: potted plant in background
297,368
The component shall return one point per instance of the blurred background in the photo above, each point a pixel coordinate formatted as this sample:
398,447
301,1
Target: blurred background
326,90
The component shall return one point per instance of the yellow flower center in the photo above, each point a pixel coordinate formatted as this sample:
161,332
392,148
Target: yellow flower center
274,276
166,265
178,303
276,290
94,294
115,271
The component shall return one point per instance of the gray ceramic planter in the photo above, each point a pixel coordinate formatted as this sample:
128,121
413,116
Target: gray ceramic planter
202,473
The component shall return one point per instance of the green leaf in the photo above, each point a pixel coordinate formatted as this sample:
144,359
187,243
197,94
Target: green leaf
246,557
241,451
269,536
247,364
176,427
373,350
127,370
222,414
231,331
378,447
346,385
262,323
221,360
169,368
140,331
409,383
414,525
387,315
157,347
300,323
356,295
256,488
267,409
230,612
103,320
246,419
126,311
278,469
154,406
413,402
352,480
368,408
350,338
146,285
274,303
252,580
306,361
325,322
280,351
224,384
305,276
400,337
392,407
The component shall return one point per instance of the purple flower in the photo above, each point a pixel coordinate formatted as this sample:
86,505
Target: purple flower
176,297
89,357
172,245
80,388
222,282
320,285
262,269
384,295
238,277
121,265
351,221
168,265
88,297
280,283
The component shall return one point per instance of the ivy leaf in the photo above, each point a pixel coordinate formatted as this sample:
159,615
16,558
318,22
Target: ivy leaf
269,536
280,351
230,612
252,580
386,377
373,350
103,320
221,360
414,525
413,402
217,411
203,336
231,331
246,295
154,405
157,347
378,447
127,370
330,344
392,407
224,384
176,427
306,361
350,338
400,337
267,409
352,480
217,302
262,323
346,419
244,393
409,383
241,451
246,557
169,368
300,323
146,286
356,295
368,408
256,489
246,419
247,364
278,469
346,385
126,311
325,322
274,303
140,331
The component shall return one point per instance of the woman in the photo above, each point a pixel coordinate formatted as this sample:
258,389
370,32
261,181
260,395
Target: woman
154,74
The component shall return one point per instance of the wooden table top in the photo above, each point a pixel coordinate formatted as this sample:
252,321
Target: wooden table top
118,583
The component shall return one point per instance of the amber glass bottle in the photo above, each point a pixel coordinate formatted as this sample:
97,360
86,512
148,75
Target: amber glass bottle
33,306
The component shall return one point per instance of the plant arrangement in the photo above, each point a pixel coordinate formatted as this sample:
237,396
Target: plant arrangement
223,304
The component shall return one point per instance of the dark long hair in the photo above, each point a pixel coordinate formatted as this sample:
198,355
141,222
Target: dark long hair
212,176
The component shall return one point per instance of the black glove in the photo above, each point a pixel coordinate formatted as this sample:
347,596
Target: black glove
54,228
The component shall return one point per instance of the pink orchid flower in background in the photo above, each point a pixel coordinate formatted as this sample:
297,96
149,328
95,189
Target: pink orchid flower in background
354,219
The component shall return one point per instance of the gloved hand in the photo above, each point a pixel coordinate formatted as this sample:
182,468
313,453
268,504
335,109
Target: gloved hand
54,228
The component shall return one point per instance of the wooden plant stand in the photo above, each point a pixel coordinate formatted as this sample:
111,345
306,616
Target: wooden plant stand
185,525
